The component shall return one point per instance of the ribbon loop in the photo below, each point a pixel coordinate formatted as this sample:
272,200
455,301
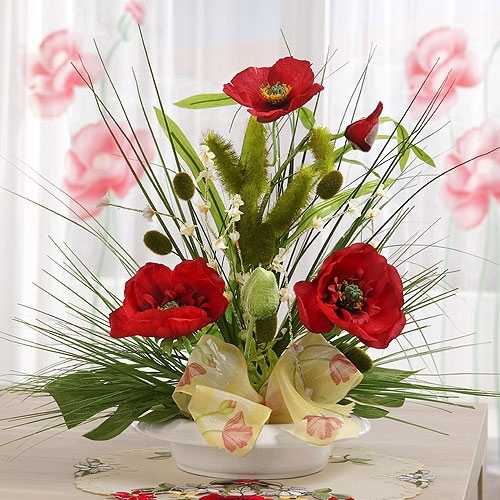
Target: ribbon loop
304,389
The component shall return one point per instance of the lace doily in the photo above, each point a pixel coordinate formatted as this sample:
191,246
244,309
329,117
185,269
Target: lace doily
352,472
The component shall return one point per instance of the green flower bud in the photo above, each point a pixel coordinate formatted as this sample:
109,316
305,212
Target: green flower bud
183,186
265,329
260,294
329,185
360,359
157,242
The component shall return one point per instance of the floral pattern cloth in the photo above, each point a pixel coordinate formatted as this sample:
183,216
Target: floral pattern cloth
153,472
304,390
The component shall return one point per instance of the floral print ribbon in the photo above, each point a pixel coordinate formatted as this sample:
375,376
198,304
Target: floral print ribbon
304,390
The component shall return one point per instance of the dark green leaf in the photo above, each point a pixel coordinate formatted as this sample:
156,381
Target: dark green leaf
379,374
339,152
403,146
395,401
124,415
366,411
422,155
334,137
186,151
80,396
160,413
306,117
202,101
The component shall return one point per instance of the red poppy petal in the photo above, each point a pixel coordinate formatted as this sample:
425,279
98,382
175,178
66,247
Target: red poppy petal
171,323
309,311
150,282
197,275
244,88
295,72
299,100
267,115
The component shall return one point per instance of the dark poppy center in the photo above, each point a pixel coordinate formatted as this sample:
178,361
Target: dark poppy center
275,94
350,296
171,304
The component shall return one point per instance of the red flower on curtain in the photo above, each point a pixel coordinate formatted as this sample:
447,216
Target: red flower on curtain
272,92
235,433
446,48
469,188
356,290
163,302
51,78
95,166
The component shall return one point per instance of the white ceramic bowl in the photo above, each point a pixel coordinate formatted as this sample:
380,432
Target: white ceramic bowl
277,454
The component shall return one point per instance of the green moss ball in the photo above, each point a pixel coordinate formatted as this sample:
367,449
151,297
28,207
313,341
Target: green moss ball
329,185
157,242
183,186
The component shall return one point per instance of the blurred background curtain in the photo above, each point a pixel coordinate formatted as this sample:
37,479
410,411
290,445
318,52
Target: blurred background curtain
196,46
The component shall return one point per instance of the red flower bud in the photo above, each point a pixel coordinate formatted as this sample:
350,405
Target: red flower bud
361,134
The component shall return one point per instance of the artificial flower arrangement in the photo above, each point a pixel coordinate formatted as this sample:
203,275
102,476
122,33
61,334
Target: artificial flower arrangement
230,337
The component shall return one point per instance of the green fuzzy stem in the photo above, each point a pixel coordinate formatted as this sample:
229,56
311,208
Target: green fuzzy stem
322,149
265,329
292,201
359,359
329,185
257,243
183,186
226,162
253,163
157,242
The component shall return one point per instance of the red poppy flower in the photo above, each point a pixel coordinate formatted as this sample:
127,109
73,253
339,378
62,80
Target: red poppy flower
356,290
270,93
163,302
361,134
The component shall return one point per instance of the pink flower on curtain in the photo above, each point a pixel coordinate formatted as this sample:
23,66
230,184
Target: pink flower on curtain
136,9
95,166
469,188
235,433
447,48
51,79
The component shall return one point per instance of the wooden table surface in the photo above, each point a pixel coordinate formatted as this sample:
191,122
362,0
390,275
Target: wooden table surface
45,471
